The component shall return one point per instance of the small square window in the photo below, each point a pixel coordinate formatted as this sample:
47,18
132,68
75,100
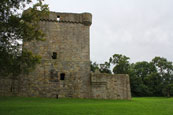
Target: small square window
54,56
62,76
58,18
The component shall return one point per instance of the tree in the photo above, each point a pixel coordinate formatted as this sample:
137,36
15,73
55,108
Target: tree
165,71
168,90
121,64
102,68
154,83
105,68
94,66
142,69
140,85
14,28
153,78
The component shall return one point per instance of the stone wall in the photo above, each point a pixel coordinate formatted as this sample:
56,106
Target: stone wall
8,87
106,86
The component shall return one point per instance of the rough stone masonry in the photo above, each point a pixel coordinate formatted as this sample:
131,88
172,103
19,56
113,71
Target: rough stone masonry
65,66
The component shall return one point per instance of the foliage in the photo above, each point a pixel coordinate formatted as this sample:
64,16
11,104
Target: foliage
139,79
102,68
121,63
14,28
94,66
155,77
164,69
105,68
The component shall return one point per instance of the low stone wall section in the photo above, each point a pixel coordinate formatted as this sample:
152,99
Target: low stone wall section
107,86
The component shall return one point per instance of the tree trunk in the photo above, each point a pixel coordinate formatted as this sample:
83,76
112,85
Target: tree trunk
168,93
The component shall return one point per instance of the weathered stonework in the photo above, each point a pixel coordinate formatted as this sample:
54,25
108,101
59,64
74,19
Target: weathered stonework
65,66
106,86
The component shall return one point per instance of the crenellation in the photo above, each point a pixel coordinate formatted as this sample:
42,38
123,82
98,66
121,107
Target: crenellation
83,18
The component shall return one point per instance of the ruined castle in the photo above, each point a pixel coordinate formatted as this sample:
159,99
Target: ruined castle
64,70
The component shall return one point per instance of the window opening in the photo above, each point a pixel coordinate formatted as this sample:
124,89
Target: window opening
62,76
58,18
54,55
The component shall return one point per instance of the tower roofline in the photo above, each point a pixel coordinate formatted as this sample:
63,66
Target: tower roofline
83,18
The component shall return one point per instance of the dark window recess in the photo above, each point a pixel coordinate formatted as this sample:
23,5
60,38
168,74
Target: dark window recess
54,55
58,18
62,76
57,96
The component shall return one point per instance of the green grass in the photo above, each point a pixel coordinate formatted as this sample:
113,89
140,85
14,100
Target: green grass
45,106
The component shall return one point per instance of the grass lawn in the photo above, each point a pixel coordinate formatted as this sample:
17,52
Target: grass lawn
46,106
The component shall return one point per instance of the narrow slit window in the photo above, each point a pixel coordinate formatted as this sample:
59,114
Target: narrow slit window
54,56
58,18
62,76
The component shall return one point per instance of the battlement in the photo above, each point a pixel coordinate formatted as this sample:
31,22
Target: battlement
83,18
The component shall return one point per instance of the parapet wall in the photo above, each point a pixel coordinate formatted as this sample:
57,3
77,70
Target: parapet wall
83,18
107,86
103,86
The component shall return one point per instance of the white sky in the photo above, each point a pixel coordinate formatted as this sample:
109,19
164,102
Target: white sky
139,29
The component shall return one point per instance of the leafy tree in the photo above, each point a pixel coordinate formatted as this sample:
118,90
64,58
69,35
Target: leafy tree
121,64
165,71
94,66
163,66
168,90
142,69
14,28
139,79
102,68
105,68
154,81
153,78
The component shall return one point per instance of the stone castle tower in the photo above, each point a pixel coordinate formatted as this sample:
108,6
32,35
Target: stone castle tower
65,54
65,65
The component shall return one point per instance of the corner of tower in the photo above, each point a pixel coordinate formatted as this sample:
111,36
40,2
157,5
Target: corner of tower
87,18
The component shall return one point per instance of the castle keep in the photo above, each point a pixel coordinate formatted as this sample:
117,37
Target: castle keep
64,70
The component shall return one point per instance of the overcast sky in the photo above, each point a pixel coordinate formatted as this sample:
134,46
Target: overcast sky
139,29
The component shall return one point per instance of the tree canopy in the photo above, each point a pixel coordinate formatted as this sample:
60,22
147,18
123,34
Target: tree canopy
121,63
16,27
